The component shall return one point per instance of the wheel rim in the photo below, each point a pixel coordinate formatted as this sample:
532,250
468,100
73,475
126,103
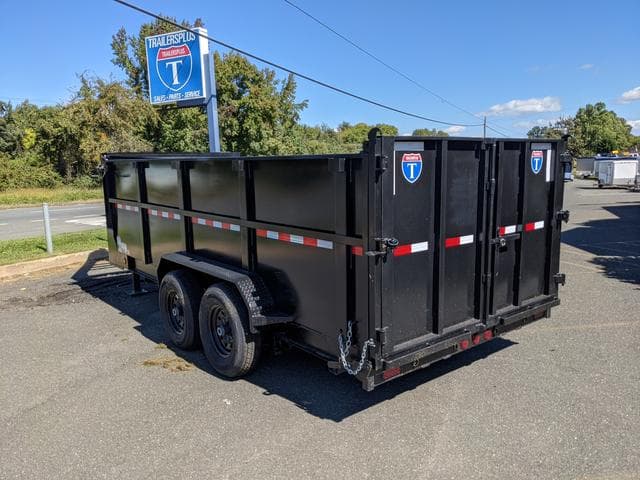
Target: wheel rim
221,331
175,308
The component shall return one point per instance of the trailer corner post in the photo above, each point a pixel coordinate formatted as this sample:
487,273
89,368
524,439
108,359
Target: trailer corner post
47,227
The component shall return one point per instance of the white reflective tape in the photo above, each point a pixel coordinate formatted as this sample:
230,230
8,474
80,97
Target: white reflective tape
202,221
466,239
217,224
510,229
165,214
154,212
324,244
235,228
176,216
296,239
538,225
419,247
272,235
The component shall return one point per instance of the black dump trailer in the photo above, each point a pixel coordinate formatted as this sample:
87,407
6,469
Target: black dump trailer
380,263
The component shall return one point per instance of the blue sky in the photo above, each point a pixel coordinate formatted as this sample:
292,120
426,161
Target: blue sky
522,63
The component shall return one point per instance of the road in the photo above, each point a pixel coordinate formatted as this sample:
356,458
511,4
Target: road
82,394
27,222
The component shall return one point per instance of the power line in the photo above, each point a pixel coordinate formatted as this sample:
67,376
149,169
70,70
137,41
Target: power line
385,64
293,72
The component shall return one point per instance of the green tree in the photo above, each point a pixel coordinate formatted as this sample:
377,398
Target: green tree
426,132
598,130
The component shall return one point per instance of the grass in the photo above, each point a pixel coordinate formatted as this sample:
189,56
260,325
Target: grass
23,197
13,251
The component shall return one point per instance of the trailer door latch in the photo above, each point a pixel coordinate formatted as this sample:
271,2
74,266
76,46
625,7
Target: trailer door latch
384,245
563,216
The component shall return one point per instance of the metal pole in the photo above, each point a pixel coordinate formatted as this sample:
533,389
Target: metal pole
484,128
212,105
47,227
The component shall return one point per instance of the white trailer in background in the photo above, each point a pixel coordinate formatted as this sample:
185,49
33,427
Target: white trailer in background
619,172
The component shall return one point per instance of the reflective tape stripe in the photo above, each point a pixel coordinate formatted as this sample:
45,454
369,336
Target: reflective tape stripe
508,229
216,224
162,214
457,241
529,227
124,206
297,239
410,248
359,251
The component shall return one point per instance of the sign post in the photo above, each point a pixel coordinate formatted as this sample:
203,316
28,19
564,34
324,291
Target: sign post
181,71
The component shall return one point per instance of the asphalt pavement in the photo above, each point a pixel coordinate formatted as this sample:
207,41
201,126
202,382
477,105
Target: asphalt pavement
84,392
28,221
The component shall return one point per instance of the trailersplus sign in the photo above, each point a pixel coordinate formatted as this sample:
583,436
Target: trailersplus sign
537,159
411,166
175,66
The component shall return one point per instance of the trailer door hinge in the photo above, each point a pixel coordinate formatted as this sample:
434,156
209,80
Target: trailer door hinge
560,279
381,334
563,216
381,163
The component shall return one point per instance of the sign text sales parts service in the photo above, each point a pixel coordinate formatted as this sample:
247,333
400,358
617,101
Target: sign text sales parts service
175,66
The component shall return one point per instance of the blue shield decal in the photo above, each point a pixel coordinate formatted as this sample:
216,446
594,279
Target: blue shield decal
411,166
174,66
537,159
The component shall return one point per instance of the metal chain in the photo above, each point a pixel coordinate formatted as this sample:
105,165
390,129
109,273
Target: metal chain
346,346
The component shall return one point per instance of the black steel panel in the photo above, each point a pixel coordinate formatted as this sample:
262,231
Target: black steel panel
162,184
461,219
534,244
301,279
290,192
129,234
409,289
508,201
165,236
126,180
221,245
214,188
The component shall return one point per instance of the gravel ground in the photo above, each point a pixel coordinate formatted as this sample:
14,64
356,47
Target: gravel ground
88,389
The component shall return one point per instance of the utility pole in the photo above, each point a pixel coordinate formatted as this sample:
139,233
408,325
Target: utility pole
484,127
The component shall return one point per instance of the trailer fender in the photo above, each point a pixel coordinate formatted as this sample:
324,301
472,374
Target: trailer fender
254,293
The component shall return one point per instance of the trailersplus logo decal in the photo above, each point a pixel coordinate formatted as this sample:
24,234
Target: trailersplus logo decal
411,166
537,159
174,66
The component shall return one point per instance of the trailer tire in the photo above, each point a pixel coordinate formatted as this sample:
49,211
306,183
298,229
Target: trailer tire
179,300
229,345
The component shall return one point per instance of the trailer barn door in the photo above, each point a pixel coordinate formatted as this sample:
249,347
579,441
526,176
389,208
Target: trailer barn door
521,237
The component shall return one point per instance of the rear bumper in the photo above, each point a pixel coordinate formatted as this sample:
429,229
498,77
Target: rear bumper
455,342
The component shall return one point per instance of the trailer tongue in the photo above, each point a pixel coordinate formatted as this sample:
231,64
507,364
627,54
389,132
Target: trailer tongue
380,262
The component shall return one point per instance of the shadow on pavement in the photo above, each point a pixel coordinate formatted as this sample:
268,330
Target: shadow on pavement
293,375
615,242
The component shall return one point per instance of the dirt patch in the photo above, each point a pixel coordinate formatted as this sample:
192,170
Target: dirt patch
171,363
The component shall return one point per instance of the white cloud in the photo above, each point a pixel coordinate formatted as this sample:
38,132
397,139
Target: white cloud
532,123
635,126
630,96
522,107
586,66
454,130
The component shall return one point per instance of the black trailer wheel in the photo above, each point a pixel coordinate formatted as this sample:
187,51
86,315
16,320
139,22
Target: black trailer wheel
179,300
230,347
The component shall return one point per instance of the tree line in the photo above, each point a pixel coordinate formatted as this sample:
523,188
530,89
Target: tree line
258,115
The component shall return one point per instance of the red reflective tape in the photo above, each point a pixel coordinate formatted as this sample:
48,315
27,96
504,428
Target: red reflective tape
452,242
359,251
529,227
402,250
311,242
285,237
261,233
